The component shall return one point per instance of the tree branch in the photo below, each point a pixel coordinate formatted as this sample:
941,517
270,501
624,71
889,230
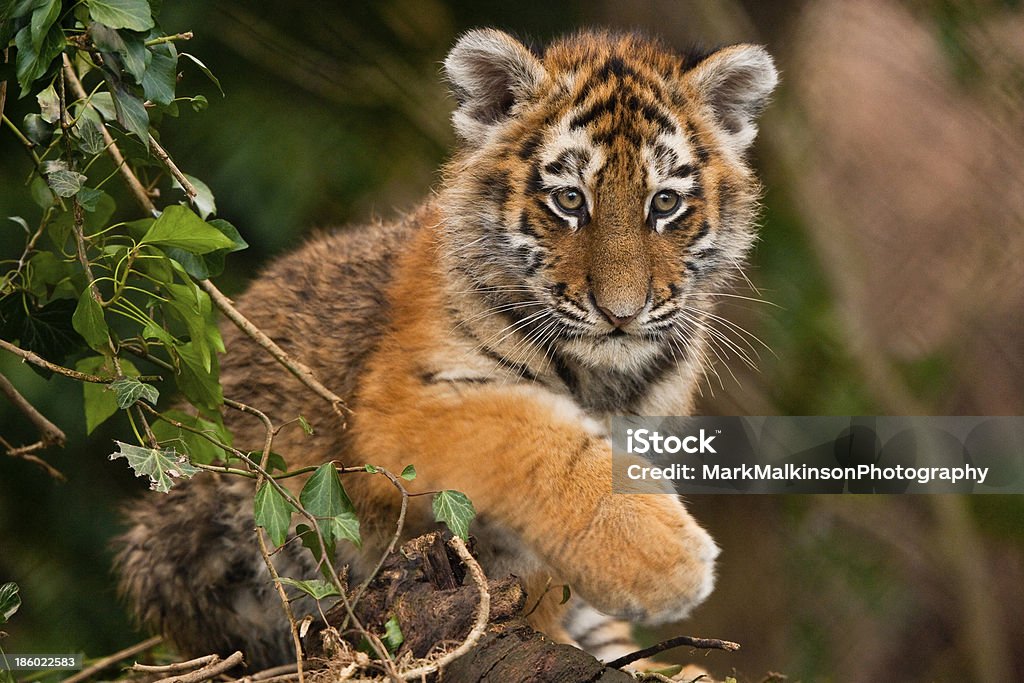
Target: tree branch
678,641
51,434
102,664
297,368
39,361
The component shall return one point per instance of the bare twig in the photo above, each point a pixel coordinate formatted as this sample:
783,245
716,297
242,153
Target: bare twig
207,672
297,368
483,612
51,434
110,660
163,156
175,667
187,35
394,538
26,453
678,641
38,360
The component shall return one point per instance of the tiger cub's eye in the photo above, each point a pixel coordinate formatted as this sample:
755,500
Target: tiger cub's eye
570,199
665,202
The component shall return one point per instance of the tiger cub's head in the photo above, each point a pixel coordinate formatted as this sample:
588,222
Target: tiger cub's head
600,194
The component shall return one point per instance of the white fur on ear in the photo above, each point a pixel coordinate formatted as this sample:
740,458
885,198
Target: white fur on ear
489,72
735,83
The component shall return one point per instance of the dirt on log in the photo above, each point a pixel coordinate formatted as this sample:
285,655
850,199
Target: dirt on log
422,585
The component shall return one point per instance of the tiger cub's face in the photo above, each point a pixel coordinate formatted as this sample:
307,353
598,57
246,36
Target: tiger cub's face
600,196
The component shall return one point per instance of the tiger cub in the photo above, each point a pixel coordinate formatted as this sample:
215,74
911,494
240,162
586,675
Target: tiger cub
564,272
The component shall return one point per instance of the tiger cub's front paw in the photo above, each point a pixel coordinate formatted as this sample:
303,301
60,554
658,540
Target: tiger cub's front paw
644,558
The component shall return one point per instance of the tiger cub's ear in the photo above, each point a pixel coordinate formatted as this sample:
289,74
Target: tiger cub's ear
735,83
489,72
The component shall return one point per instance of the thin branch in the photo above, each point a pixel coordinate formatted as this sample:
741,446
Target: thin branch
187,35
102,664
483,612
141,196
206,672
678,641
26,453
297,368
51,434
175,667
163,156
39,361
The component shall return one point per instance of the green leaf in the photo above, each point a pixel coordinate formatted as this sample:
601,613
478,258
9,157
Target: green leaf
42,19
409,473
37,129
454,509
161,77
100,401
30,64
47,331
48,276
393,637
312,542
200,386
273,512
324,497
164,467
131,113
205,70
89,198
345,527
305,426
103,102
192,306
49,105
178,227
199,103
318,589
197,447
128,390
130,14
121,48
65,183
10,601
41,193
88,321
566,594
203,200
370,468
88,132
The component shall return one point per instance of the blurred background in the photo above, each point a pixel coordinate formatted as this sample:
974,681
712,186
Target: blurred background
892,255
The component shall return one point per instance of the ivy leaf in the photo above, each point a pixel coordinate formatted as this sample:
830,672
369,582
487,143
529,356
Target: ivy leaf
161,77
203,200
370,468
131,113
178,227
10,601
100,401
200,386
37,129
305,426
318,589
121,48
88,321
128,390
210,264
88,132
454,509
393,637
345,527
103,102
566,594
205,70
30,63
48,331
409,473
65,183
89,198
198,448
130,14
164,467
273,512
43,17
49,105
324,497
